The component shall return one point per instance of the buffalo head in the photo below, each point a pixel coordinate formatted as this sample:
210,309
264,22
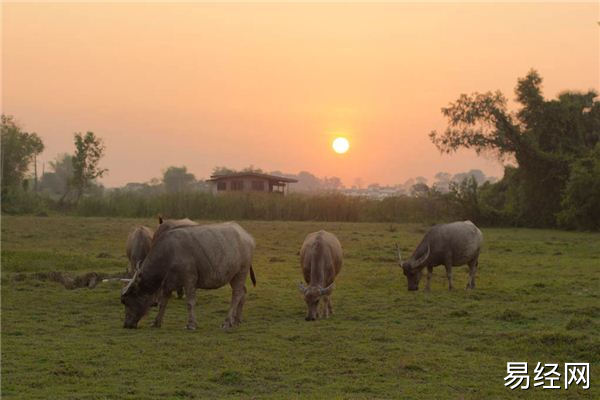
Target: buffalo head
136,303
312,295
413,268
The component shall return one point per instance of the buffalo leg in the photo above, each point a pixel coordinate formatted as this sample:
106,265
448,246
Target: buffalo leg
429,275
238,311
322,306
327,307
238,292
472,272
180,292
449,275
190,300
162,306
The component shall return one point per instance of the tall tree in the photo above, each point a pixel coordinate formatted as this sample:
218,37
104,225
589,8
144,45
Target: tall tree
177,179
89,149
543,137
18,149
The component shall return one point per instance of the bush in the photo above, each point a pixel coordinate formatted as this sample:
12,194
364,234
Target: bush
581,198
19,201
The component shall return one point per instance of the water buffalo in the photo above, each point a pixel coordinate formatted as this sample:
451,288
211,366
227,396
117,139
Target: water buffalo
452,244
321,261
138,246
195,256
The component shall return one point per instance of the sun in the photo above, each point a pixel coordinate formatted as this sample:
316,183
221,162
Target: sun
340,145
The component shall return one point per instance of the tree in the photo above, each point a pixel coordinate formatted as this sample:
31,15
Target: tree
581,198
58,181
464,197
223,171
18,149
543,137
177,179
89,149
251,169
442,182
419,189
332,183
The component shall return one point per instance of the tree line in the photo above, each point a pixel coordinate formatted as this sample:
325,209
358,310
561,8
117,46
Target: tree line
73,175
555,145
552,148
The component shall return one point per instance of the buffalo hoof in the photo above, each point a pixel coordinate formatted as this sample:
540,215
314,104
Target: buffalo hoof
191,327
310,319
227,324
156,324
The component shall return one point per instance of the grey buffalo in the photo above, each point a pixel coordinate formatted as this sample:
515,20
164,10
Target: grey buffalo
138,246
452,244
321,261
194,256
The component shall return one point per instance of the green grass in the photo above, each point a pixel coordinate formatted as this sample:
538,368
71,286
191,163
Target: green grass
537,299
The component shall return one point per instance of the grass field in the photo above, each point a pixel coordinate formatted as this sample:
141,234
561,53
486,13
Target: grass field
537,299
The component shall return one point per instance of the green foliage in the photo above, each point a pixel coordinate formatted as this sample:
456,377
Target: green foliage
16,200
433,207
581,200
89,149
536,300
466,200
18,149
544,137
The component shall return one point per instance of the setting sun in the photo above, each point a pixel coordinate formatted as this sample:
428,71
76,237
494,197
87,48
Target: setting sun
340,145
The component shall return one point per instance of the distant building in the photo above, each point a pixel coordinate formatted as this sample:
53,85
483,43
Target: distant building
249,182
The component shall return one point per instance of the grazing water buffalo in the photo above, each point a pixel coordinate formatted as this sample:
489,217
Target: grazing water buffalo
196,256
138,246
453,244
321,261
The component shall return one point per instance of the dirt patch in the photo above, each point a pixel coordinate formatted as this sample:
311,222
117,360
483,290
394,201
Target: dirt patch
103,255
89,279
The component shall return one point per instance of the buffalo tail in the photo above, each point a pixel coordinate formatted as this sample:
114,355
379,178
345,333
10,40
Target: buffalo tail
252,276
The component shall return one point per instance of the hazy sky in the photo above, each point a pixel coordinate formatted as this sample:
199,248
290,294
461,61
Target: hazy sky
272,84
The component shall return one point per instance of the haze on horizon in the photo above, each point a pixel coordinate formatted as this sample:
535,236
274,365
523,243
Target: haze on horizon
270,85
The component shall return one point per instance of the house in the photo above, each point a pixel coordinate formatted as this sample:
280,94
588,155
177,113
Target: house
249,182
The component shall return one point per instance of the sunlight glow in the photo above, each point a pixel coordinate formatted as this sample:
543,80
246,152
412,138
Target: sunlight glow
340,145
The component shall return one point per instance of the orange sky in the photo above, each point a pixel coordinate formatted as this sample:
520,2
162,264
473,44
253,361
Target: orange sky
270,84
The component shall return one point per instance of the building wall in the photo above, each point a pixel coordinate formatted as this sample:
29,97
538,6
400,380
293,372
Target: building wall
247,185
